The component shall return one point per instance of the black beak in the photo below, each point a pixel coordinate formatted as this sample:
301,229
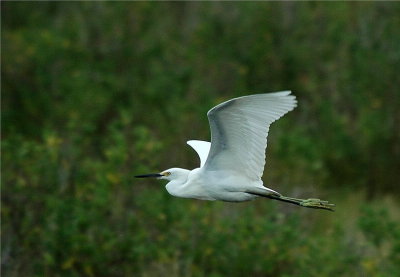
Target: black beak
149,175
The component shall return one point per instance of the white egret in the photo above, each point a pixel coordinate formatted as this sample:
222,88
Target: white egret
231,166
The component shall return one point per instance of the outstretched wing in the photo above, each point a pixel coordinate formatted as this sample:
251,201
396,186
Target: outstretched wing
202,148
239,129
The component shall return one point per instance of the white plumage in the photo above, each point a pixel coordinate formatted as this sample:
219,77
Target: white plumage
202,148
239,130
231,166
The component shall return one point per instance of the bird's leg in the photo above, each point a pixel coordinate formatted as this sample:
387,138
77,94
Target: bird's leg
308,203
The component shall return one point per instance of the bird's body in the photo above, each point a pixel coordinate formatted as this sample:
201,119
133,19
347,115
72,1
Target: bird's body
231,166
216,185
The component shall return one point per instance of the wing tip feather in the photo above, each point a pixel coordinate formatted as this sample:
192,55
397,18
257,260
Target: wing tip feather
281,95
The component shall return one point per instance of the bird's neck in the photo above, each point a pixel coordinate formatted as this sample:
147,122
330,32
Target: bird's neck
176,187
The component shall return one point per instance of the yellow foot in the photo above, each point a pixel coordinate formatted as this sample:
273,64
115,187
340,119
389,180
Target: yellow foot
317,204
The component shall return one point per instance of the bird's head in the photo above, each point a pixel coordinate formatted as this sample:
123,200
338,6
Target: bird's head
169,174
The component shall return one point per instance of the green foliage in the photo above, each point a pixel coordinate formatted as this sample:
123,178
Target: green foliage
383,233
95,92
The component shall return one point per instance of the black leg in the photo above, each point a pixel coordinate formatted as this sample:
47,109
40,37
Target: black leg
308,203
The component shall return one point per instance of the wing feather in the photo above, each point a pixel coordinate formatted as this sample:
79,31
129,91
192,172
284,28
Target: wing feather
202,148
239,130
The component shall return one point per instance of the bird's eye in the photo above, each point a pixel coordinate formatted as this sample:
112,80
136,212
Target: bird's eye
167,173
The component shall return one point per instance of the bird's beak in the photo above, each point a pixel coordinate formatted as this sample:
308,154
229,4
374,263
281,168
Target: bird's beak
154,175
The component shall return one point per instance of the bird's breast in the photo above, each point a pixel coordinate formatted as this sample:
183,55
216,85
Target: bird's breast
193,187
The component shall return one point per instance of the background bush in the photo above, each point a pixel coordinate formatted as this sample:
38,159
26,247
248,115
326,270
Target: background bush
96,92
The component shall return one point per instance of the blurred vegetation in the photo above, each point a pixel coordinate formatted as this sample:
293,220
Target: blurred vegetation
96,92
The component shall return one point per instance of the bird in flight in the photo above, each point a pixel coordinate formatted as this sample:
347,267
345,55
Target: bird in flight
231,166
